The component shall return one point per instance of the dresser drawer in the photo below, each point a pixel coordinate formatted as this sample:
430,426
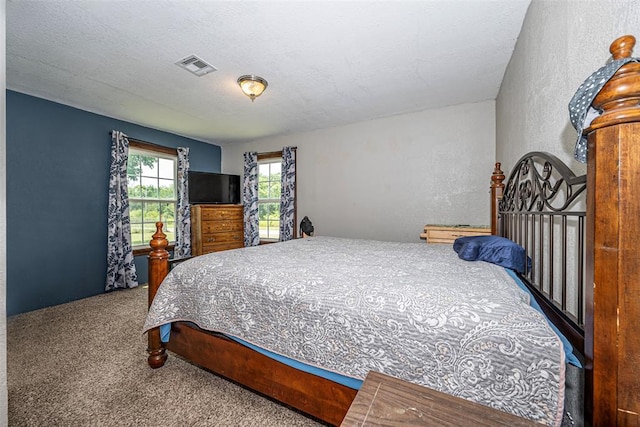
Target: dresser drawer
217,226
444,234
207,249
222,213
217,238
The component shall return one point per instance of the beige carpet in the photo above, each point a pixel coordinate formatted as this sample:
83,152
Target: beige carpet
84,364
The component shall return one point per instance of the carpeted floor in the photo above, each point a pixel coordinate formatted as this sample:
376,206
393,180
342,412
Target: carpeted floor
84,364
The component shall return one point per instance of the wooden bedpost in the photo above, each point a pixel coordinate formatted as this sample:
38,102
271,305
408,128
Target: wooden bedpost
158,270
612,345
497,191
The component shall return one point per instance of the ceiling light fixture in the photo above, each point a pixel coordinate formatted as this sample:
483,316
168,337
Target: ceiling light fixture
252,86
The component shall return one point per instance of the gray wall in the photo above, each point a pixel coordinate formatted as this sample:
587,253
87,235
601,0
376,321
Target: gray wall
560,45
385,179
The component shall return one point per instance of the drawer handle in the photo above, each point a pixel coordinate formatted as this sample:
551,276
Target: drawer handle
237,237
211,239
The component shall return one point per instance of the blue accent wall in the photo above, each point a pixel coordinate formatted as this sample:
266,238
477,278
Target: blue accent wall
57,190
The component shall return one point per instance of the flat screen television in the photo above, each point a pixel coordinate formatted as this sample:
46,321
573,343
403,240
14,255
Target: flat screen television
209,187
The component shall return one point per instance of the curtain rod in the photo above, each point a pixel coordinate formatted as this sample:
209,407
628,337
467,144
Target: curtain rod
151,146
140,141
162,146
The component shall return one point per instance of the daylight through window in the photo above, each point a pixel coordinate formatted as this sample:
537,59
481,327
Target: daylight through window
152,194
269,187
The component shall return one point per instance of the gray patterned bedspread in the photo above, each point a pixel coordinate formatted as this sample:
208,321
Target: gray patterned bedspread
410,310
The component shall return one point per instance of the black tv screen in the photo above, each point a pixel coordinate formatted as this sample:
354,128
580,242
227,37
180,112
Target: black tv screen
209,187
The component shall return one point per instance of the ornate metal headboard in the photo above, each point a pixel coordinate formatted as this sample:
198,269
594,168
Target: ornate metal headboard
542,208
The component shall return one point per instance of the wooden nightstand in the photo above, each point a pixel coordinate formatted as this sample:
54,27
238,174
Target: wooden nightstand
386,401
449,233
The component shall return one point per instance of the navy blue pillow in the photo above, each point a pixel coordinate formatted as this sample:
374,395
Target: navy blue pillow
494,249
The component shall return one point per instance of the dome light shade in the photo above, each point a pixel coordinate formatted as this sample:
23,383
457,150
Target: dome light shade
252,86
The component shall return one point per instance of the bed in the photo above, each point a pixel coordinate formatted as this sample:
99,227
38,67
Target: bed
410,310
569,241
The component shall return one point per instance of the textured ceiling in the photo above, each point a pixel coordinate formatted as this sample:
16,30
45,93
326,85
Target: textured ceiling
328,63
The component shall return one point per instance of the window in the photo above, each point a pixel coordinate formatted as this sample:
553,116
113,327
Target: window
152,179
269,187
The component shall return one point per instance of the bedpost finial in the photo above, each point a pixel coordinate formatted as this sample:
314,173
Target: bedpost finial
159,232
619,98
498,176
497,191
622,47
159,241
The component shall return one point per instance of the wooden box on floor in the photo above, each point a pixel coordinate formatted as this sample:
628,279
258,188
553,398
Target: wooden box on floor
388,401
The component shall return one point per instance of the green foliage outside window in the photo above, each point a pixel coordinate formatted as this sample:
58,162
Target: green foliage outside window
135,162
269,188
152,196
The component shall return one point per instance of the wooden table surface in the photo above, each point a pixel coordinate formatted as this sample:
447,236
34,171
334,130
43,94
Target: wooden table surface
386,401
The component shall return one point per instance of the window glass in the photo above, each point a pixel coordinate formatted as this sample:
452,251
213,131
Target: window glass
152,194
269,187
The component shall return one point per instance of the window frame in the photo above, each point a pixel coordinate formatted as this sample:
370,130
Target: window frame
162,152
273,157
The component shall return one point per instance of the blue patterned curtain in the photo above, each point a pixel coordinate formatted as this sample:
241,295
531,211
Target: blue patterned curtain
121,271
288,194
183,210
250,200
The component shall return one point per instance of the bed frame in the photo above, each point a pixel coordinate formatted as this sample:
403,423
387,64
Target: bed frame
531,208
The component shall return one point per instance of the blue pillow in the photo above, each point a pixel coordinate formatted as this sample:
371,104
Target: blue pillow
494,249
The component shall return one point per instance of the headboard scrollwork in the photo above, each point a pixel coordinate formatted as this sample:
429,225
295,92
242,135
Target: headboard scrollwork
541,182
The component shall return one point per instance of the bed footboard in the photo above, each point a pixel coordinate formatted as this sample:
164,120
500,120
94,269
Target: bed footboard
158,270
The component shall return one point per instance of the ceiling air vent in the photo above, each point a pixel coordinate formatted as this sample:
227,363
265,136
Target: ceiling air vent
196,65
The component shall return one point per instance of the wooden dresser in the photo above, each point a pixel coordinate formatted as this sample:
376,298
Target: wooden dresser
216,228
449,233
386,401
